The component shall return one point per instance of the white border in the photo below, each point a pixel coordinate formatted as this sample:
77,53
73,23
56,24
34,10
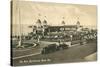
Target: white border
5,33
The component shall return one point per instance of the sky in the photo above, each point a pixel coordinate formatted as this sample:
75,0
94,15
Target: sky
27,13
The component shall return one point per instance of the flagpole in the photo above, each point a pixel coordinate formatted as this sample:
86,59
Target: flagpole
20,42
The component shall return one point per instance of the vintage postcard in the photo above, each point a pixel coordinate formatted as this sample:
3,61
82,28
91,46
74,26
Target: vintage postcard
49,33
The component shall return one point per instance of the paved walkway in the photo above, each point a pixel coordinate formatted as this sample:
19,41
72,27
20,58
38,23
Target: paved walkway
91,57
73,54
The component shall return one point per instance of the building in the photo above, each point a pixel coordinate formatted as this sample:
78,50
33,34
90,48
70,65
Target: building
60,29
42,28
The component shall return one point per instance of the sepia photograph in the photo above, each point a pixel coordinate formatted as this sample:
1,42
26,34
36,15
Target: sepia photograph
52,33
